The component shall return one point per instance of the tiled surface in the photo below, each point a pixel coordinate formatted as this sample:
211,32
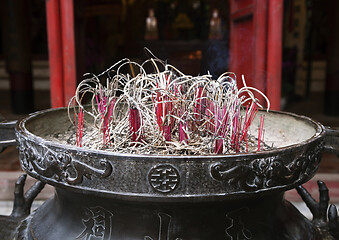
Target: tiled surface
41,102
312,107
331,180
9,159
7,206
301,206
7,184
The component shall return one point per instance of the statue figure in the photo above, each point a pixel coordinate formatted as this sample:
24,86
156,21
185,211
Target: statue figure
151,26
215,26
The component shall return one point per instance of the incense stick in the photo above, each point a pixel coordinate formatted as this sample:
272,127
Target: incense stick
166,111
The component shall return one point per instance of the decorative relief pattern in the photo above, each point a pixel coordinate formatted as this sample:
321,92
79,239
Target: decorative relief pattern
59,165
164,228
164,178
97,224
236,227
269,172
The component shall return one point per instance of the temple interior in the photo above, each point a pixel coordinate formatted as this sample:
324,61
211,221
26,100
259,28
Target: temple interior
194,35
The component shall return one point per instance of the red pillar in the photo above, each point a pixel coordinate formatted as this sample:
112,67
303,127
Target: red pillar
256,45
55,53
274,52
61,43
68,44
260,51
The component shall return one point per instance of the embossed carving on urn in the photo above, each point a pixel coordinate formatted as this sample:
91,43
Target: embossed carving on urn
164,178
59,166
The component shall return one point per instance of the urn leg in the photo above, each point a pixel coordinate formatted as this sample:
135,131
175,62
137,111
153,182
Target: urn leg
320,211
21,207
23,202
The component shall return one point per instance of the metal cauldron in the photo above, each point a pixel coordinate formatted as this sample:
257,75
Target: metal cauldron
106,195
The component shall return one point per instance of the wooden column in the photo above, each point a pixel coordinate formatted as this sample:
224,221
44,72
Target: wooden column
61,43
55,53
15,16
68,49
274,52
332,74
256,45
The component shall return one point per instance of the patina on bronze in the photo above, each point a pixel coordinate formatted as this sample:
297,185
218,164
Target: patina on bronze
106,195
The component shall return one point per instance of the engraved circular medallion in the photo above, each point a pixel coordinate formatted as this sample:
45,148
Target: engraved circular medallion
164,178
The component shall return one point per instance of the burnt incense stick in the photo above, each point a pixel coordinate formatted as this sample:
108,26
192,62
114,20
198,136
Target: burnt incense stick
166,111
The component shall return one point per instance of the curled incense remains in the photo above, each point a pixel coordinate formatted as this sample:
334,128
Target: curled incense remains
166,111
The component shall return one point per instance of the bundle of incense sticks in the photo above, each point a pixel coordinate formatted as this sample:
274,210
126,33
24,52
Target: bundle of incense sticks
79,125
168,112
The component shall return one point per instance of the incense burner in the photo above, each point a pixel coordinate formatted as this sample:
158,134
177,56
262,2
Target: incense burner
108,195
